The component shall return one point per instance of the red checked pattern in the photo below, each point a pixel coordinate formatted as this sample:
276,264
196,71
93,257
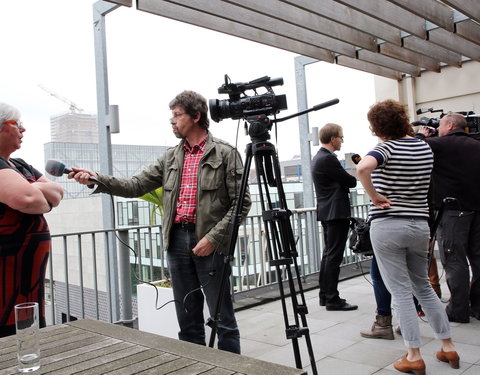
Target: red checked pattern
187,200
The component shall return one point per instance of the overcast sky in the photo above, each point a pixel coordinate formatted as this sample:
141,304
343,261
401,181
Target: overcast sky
150,60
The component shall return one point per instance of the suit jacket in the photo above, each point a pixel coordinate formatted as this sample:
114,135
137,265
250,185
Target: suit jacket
332,185
456,170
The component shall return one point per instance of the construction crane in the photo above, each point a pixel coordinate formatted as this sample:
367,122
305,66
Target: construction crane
73,107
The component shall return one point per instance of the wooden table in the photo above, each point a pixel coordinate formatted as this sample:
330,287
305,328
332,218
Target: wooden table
94,347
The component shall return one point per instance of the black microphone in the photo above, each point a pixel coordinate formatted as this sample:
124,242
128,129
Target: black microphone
356,158
57,168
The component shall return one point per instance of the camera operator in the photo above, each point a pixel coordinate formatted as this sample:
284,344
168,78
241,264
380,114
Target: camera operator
456,173
201,178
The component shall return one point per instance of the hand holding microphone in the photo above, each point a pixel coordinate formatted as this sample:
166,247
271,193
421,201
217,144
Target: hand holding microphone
356,158
82,176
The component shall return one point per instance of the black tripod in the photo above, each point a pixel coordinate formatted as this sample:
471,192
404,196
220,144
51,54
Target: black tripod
281,245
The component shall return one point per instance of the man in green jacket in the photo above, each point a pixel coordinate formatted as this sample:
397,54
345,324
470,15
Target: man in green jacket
201,179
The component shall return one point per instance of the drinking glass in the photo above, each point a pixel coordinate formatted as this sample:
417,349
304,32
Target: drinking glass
28,342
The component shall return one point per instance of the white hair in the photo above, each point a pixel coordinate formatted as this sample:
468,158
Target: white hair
7,113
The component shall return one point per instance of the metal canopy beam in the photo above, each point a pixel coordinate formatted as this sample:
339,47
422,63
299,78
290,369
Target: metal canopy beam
198,18
389,62
437,52
365,66
231,12
385,37
350,17
470,8
455,43
308,20
391,14
431,10
410,57
469,30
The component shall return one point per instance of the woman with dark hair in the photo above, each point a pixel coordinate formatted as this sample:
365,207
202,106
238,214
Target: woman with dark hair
25,195
396,176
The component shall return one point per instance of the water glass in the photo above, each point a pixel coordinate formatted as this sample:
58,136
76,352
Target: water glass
28,341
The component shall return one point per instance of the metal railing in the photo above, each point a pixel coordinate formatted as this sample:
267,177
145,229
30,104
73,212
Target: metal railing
78,283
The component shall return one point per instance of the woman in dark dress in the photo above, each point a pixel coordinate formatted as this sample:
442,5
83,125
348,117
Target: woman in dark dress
25,195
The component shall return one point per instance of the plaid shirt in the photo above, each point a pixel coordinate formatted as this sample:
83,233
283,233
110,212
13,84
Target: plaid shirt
187,200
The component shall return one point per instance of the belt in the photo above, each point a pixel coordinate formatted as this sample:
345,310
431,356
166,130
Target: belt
184,226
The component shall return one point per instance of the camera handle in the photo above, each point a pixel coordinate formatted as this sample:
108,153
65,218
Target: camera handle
314,108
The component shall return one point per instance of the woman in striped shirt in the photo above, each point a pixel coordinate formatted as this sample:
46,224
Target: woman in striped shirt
396,176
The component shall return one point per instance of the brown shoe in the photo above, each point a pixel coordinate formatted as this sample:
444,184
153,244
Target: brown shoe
417,367
451,357
381,329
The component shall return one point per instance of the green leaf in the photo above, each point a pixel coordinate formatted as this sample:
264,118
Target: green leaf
155,197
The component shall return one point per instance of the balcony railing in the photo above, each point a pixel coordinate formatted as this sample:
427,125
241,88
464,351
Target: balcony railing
86,279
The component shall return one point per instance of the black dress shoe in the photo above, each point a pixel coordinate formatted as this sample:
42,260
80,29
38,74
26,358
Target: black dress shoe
458,320
475,314
341,306
323,301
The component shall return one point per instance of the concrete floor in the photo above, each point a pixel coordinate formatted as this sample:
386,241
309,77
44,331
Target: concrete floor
338,347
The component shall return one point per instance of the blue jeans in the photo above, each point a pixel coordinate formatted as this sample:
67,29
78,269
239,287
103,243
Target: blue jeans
383,298
401,249
189,273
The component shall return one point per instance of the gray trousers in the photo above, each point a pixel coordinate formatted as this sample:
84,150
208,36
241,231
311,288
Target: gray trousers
401,248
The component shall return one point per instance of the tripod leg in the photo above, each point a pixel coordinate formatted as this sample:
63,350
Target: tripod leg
235,221
282,250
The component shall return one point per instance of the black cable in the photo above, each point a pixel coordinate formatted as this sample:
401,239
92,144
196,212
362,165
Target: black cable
134,252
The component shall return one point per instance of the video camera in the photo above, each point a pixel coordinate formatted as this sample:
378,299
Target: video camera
473,121
428,121
239,105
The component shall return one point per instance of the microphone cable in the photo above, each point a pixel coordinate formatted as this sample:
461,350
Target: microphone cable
134,271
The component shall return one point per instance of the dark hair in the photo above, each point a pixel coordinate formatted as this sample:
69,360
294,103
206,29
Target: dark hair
389,120
328,131
193,103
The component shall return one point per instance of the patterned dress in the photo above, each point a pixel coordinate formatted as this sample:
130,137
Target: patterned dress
24,251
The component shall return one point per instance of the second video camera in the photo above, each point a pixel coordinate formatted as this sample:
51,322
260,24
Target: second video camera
239,105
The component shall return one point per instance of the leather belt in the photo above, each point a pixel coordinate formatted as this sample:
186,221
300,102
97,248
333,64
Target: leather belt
184,226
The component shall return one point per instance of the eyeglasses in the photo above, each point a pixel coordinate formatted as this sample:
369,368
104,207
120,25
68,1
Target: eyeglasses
176,116
340,136
18,124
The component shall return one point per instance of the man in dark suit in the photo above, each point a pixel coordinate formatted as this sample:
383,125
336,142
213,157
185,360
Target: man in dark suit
456,173
332,185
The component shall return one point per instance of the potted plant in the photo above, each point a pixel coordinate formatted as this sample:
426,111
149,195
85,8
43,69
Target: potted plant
156,309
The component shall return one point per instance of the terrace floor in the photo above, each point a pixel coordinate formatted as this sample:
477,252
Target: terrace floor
338,347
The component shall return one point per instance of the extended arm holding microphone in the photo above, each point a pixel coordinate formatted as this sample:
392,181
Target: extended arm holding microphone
82,176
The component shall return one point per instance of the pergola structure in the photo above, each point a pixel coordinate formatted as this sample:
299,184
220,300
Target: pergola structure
389,38
395,39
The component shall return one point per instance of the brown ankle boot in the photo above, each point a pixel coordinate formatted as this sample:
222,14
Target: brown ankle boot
381,329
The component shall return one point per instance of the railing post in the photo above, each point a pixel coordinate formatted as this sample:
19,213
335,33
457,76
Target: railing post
124,275
305,148
100,10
